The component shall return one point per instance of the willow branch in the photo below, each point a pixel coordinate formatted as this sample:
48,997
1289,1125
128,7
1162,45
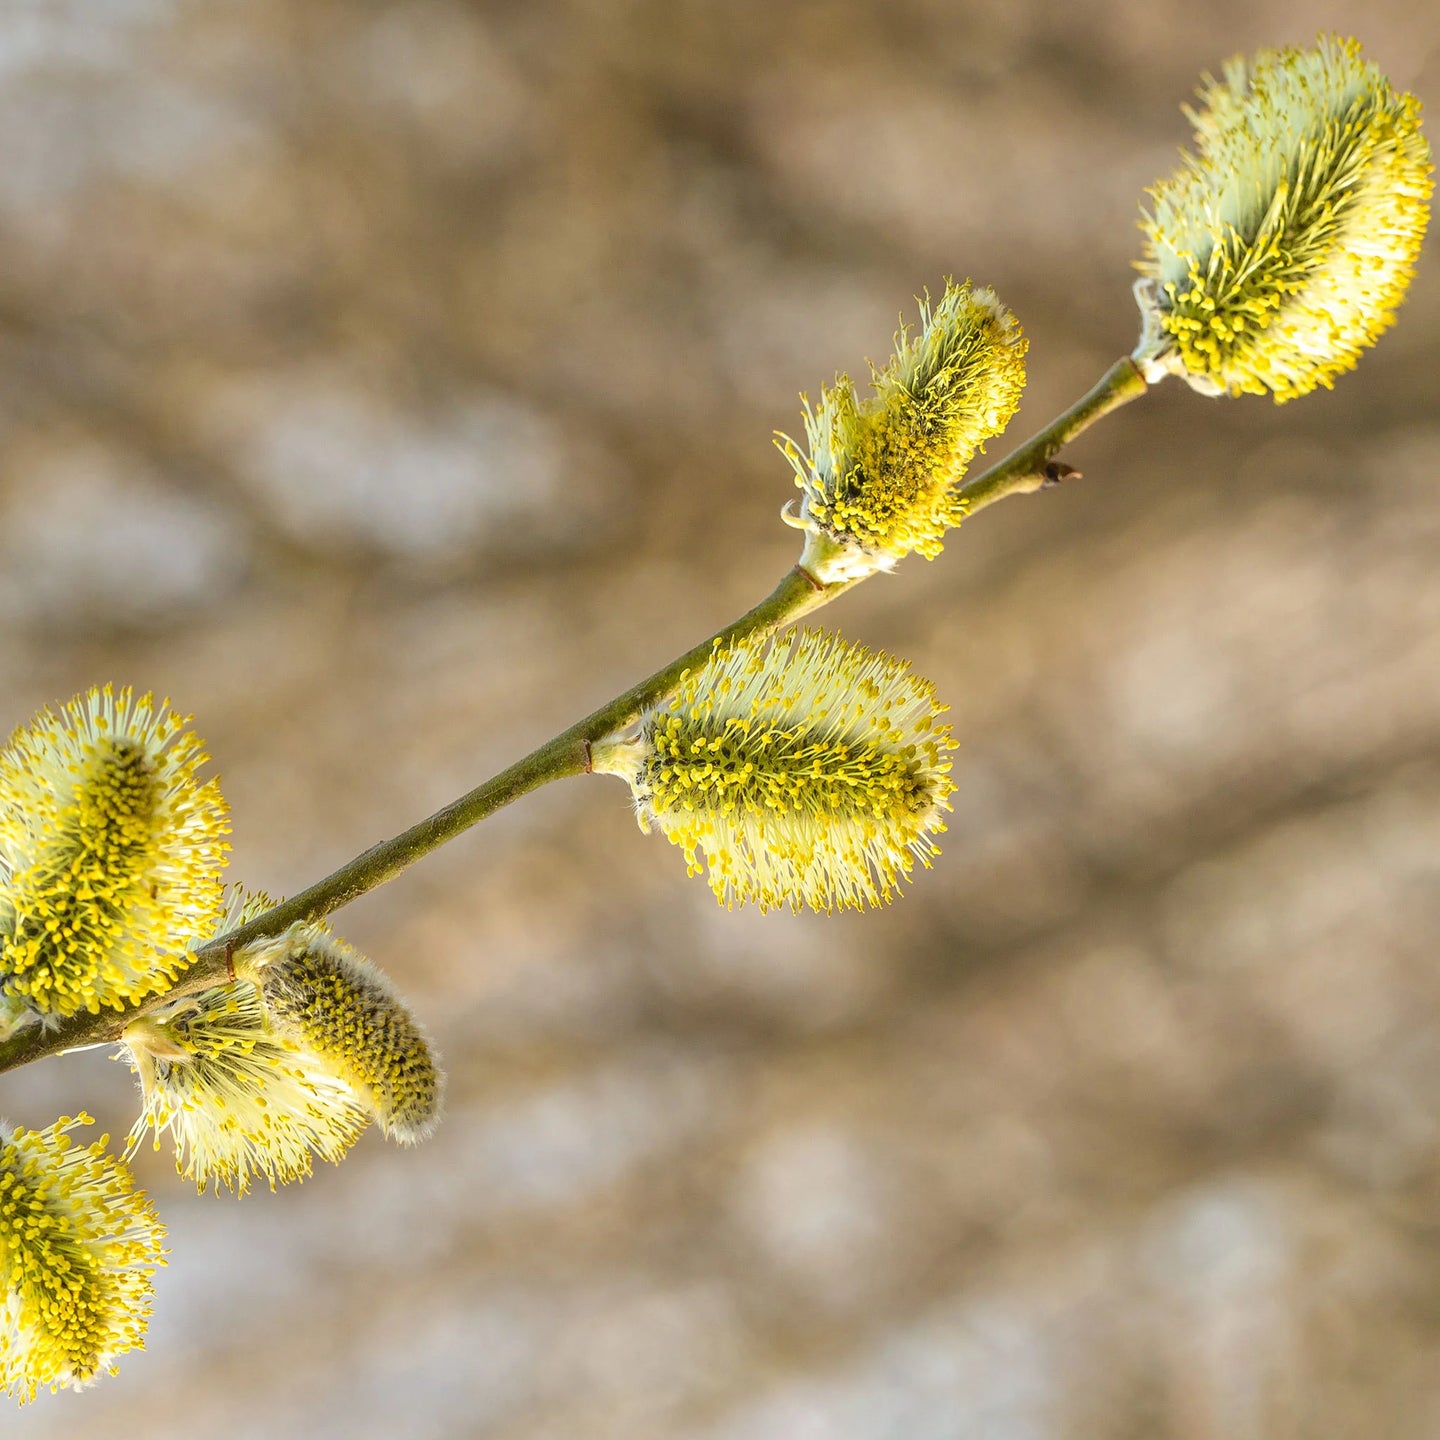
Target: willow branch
1028,468
1025,470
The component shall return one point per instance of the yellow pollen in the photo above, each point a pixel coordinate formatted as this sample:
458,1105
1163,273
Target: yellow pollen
110,850
1281,250
878,476
78,1247
819,782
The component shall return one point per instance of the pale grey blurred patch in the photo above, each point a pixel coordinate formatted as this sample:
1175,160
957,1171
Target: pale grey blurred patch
336,465
96,538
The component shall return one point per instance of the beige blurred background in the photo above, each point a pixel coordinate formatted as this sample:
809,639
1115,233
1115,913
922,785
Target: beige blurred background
392,383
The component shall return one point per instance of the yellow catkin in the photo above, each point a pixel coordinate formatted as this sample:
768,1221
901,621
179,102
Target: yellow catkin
878,475
799,771
78,1247
1281,249
331,1002
110,854
239,1098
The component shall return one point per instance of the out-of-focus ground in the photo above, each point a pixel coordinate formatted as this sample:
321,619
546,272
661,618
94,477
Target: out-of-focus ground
392,383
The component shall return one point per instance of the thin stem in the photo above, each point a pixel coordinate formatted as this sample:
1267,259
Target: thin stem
567,754
1027,468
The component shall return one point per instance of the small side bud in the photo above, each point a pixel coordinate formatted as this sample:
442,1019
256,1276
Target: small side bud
800,771
79,1245
110,848
1282,248
878,476
328,1000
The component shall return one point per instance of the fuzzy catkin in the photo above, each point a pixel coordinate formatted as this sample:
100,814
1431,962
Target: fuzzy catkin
1281,249
878,475
111,850
801,771
330,1001
239,1099
78,1248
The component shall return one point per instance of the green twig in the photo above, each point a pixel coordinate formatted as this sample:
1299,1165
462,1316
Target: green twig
1026,469
1029,468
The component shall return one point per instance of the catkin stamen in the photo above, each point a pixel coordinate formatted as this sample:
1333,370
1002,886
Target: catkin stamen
1283,247
78,1247
878,475
800,771
110,852
240,1098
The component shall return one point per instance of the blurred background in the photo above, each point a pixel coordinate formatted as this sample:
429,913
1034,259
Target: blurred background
391,384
